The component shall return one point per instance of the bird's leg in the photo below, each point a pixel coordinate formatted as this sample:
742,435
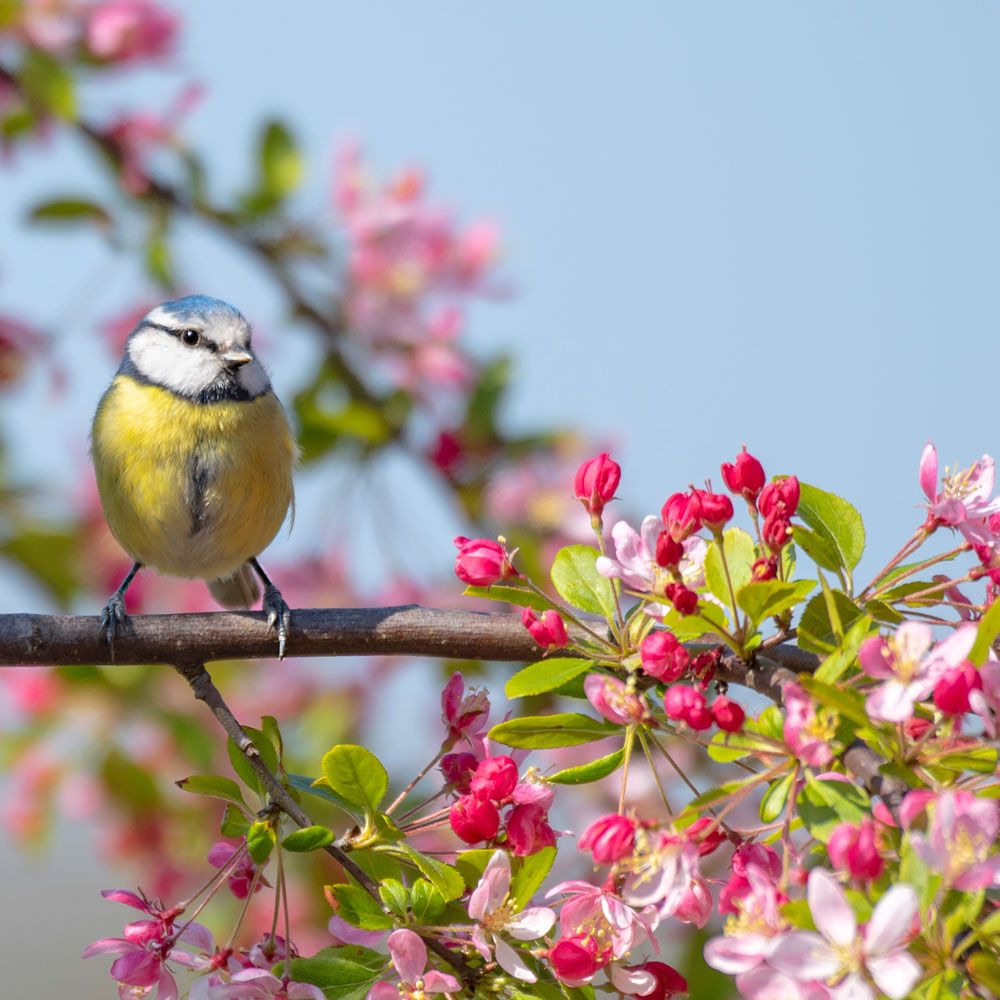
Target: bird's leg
113,614
279,615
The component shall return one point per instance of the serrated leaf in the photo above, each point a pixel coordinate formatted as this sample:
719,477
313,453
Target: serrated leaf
841,660
426,902
820,549
543,732
446,879
530,875
815,630
700,802
593,770
575,577
359,909
234,823
546,675
357,775
845,701
836,520
309,838
772,805
242,766
260,841
740,555
213,785
346,973
510,595
770,598
395,895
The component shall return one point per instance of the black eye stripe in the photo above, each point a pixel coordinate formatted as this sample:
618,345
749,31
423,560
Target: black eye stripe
179,334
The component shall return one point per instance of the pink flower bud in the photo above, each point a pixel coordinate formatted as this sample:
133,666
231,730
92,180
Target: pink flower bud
685,704
481,562
777,530
707,842
458,769
951,693
668,552
474,819
854,849
715,509
613,700
609,839
681,514
528,830
728,715
663,657
495,778
574,958
782,494
669,982
764,569
596,482
549,631
696,905
684,600
745,477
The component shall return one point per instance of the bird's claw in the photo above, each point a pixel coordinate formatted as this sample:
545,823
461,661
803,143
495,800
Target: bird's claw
112,617
279,616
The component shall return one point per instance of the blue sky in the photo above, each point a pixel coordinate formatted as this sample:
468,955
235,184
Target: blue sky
771,223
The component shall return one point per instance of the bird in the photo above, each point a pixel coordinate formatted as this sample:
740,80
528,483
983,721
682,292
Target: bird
194,454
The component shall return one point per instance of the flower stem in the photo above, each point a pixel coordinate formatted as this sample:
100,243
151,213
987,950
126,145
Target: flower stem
629,742
409,788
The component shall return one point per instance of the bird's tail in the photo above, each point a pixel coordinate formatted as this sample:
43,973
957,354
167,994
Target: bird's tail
240,590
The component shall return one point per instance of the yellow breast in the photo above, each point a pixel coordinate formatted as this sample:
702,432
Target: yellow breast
191,489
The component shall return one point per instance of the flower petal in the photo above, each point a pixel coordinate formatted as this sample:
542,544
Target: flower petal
383,991
510,961
439,982
531,923
734,954
895,974
804,955
409,955
110,946
890,921
830,910
928,471
853,987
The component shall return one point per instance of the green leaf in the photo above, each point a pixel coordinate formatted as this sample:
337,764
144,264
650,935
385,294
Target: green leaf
772,805
725,747
546,675
70,210
260,841
281,166
845,701
984,969
834,519
319,788
824,804
700,802
575,577
593,770
395,895
988,630
50,555
815,630
770,598
47,82
471,864
234,823
531,874
484,401
359,909
543,732
822,551
981,759
740,555
510,595
357,775
213,785
426,902
309,838
346,973
446,879
242,766
841,660
129,783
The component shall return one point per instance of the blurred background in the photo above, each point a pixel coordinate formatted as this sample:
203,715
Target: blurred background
476,246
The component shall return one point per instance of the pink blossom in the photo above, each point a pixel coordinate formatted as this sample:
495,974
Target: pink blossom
909,667
609,839
495,778
963,831
853,848
481,562
842,956
129,30
613,699
965,495
744,476
528,829
663,656
549,630
764,983
806,731
986,702
660,873
686,704
50,25
596,481
241,877
261,984
495,914
695,906
464,714
409,956
474,819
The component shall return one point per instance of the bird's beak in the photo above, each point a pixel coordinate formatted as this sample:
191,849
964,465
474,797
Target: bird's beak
236,359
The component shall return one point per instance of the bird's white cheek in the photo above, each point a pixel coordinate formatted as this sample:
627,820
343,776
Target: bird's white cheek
167,362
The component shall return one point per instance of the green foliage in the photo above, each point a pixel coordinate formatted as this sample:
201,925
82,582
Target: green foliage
834,520
546,675
358,908
817,632
593,770
770,598
543,732
51,555
356,775
268,756
426,902
260,841
740,554
772,805
309,838
346,973
823,804
70,210
530,874
49,84
575,577
510,595
213,785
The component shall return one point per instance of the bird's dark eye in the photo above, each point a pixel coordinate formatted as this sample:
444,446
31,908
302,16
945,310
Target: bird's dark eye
191,337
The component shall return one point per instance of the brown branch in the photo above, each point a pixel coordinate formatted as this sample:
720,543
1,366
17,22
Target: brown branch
194,672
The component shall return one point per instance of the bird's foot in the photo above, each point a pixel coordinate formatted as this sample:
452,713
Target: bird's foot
113,618
279,615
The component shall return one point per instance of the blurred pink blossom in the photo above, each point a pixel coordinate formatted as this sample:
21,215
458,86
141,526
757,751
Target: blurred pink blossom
125,31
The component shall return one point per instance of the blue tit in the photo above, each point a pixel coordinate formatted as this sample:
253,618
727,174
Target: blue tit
194,457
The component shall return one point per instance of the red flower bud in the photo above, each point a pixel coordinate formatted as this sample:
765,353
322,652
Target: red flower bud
782,493
528,830
447,452
685,601
609,839
458,769
951,693
777,530
574,957
710,841
745,477
854,849
685,704
682,515
495,778
596,482
668,552
474,819
715,509
549,631
663,657
728,716
764,569
481,562
669,982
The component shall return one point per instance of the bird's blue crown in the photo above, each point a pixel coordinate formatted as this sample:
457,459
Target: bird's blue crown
201,307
